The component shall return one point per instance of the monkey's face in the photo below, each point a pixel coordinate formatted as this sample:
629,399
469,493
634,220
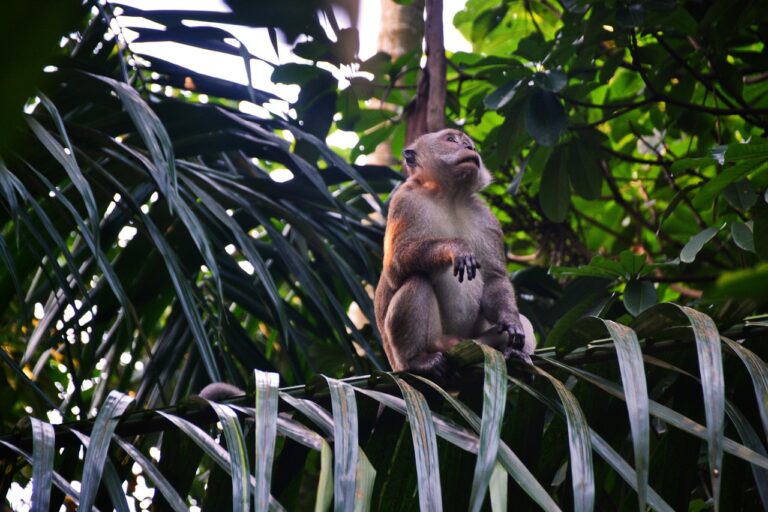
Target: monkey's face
448,157
459,151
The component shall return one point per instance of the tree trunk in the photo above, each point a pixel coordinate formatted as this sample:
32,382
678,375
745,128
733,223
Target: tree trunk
402,29
427,112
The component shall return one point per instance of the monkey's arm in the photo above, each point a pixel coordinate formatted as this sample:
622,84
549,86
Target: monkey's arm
433,255
410,246
498,303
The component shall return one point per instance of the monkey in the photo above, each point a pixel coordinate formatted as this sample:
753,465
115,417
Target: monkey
444,276
218,391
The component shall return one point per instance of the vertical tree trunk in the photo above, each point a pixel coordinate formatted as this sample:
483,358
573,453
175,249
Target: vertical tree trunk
402,29
427,112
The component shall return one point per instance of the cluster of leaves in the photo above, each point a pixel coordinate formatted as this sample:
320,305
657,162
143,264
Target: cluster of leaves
158,254
496,443
146,246
611,127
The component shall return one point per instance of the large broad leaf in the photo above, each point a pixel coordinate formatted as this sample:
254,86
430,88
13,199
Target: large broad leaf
580,447
554,191
494,402
545,117
639,296
425,447
96,455
510,462
43,452
696,243
266,429
584,169
712,378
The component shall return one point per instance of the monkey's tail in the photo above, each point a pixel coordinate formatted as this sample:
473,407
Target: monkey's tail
217,391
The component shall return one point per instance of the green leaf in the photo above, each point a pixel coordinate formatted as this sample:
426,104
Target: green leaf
424,447
366,476
152,132
180,281
43,453
584,170
545,118
486,21
635,387
713,187
325,481
742,235
345,445
758,372
668,415
507,457
631,15
238,460
494,401
579,445
740,195
502,95
599,266
696,243
713,386
746,283
744,429
736,152
67,160
598,443
498,489
554,81
154,475
532,47
112,482
96,455
58,480
639,296
554,192
633,264
211,448
265,430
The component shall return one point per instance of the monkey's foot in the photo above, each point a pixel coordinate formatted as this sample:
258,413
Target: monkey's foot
511,352
516,334
434,366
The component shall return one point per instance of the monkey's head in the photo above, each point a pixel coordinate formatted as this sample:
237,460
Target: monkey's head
448,159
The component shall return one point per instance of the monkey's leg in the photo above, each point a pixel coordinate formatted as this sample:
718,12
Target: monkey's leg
414,329
500,342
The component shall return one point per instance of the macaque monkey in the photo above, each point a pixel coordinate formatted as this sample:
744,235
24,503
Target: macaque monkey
444,276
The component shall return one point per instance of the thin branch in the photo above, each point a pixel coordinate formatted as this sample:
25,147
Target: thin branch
149,421
756,79
661,96
606,106
603,227
629,158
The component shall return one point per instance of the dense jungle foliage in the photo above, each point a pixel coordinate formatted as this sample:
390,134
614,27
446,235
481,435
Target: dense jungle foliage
147,249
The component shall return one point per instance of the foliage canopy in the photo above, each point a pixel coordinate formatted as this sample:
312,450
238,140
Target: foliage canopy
147,250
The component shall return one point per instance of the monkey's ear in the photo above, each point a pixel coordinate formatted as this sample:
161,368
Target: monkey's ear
409,155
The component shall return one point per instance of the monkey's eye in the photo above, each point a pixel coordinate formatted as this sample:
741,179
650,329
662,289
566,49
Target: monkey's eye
450,138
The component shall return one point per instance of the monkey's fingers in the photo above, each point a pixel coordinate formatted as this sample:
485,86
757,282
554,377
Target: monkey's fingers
471,268
459,266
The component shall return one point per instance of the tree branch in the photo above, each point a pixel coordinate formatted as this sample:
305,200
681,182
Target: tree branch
148,421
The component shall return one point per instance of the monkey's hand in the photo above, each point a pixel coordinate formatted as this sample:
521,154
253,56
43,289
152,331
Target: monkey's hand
465,261
514,329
